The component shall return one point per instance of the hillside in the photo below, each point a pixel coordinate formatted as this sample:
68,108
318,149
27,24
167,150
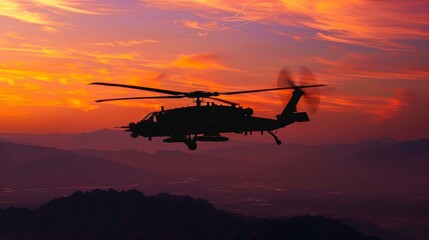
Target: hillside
25,166
132,215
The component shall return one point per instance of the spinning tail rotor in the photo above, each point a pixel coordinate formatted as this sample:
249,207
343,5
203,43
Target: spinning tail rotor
311,96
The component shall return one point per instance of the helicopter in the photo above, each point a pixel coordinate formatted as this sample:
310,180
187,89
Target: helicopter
206,121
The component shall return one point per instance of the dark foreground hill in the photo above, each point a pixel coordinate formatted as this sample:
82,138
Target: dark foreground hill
132,215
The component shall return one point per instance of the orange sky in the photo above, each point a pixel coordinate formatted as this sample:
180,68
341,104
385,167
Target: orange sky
374,55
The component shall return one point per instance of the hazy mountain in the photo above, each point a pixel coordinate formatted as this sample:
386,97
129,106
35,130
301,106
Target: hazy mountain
34,167
46,139
365,166
132,215
169,164
106,139
374,230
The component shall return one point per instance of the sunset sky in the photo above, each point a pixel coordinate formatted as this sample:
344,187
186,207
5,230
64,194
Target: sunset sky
373,55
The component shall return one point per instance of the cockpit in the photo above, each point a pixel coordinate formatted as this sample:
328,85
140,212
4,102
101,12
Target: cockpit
150,117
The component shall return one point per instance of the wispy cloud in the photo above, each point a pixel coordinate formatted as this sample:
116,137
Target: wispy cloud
107,58
67,6
44,12
378,65
373,24
381,108
207,26
201,61
17,10
126,43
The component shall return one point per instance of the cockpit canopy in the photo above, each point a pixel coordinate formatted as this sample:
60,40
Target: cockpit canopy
148,116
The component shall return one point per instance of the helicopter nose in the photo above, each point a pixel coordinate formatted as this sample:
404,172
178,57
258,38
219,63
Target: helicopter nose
132,126
133,129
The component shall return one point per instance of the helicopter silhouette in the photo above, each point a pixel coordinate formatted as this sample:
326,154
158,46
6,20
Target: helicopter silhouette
205,122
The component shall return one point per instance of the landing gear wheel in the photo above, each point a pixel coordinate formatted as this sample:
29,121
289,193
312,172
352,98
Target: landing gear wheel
278,142
192,145
134,135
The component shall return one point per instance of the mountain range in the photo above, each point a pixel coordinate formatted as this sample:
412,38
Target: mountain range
25,166
383,180
103,139
132,215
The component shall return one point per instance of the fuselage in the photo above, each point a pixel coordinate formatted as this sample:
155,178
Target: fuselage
208,120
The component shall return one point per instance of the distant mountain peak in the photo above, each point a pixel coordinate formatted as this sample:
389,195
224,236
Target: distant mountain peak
103,130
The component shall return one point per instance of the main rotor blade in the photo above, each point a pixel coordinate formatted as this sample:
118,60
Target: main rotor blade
270,89
139,88
137,98
225,101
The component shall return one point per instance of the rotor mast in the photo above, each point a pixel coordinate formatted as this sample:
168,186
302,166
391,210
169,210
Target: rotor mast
198,101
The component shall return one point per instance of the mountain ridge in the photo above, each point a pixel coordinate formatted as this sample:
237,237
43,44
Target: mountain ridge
132,215
35,166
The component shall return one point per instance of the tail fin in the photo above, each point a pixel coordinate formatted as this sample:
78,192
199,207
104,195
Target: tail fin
290,114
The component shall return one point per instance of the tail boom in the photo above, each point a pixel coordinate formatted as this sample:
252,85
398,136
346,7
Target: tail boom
289,114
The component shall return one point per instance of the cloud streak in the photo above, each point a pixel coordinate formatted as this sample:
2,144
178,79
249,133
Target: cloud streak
372,24
17,10
66,6
44,12
201,61
381,108
127,43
